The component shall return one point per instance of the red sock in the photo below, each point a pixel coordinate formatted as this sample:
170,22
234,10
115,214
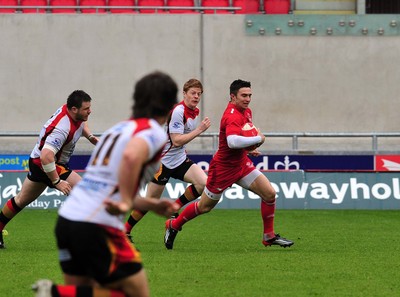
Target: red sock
134,218
268,214
86,291
9,211
190,212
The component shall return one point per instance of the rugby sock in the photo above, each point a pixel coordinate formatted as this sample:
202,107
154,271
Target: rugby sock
83,291
10,210
134,218
268,214
189,195
189,213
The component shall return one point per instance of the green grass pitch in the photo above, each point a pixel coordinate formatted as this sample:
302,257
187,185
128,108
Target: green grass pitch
336,253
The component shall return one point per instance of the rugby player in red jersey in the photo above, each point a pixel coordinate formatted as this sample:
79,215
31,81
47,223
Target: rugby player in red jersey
231,164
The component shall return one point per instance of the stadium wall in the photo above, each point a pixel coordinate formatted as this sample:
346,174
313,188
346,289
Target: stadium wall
300,83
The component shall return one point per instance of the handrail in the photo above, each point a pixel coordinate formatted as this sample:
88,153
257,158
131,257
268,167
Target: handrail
137,8
294,135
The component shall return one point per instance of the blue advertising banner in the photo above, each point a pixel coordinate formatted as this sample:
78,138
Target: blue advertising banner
303,162
14,162
270,162
294,189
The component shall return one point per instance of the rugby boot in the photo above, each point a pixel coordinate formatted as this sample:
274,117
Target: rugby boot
174,215
2,246
130,238
277,240
42,288
170,234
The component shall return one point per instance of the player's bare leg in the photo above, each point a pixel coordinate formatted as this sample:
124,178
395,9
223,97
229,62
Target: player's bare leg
153,190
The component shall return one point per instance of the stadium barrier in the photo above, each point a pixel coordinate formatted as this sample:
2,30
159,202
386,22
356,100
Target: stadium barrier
295,190
277,143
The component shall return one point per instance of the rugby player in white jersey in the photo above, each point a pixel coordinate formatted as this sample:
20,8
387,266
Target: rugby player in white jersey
48,162
183,125
95,255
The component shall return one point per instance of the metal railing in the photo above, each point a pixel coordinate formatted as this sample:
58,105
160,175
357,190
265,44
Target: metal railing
296,136
209,140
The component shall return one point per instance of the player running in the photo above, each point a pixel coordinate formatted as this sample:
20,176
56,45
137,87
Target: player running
48,162
182,127
231,164
95,256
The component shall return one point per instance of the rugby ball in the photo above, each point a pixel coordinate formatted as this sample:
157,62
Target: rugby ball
249,130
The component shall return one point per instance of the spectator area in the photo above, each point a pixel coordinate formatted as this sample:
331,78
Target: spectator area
147,6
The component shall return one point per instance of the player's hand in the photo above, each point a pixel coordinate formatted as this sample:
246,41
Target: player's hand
94,140
64,187
262,136
205,124
165,207
116,207
254,153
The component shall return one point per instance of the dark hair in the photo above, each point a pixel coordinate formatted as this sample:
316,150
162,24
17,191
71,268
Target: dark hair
192,83
76,98
154,95
236,85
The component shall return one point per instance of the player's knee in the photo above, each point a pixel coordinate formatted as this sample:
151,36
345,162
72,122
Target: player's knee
269,196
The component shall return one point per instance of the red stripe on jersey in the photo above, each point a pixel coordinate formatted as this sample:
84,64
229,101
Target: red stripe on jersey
141,124
53,124
189,113
73,126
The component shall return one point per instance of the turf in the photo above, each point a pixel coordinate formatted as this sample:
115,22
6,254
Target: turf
336,253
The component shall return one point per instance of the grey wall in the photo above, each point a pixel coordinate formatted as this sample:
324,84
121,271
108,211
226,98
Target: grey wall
307,84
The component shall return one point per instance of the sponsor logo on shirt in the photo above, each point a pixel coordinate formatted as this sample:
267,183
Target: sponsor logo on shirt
176,125
56,142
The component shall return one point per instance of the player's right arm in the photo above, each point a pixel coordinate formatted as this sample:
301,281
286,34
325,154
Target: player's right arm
134,158
53,144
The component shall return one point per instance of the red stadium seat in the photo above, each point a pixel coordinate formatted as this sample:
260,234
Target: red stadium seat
216,3
33,3
8,3
121,3
63,3
151,3
93,3
248,6
277,6
186,3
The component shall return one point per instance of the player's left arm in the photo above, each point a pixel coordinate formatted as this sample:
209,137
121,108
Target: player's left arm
87,134
179,139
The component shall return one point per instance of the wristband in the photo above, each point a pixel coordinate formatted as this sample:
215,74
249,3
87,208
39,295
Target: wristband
90,136
49,167
55,183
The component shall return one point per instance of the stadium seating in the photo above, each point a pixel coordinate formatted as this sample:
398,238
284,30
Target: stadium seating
186,3
92,3
151,3
216,3
33,3
277,6
63,3
8,3
121,3
248,6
